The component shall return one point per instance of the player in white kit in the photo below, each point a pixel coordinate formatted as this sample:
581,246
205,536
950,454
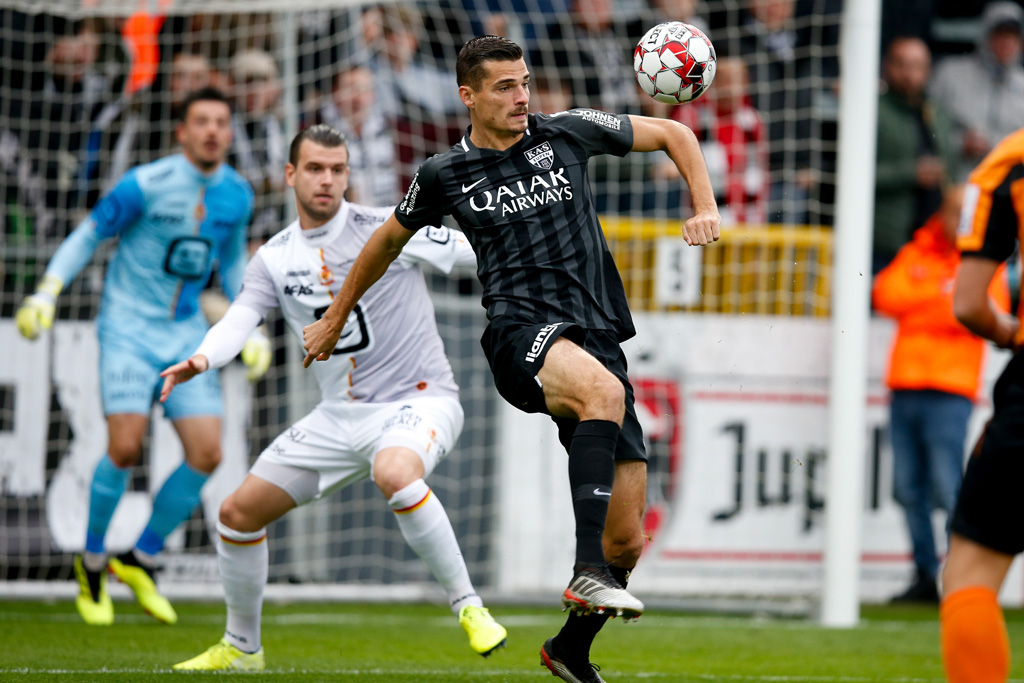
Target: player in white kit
389,408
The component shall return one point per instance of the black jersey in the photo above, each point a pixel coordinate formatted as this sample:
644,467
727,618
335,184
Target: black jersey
529,215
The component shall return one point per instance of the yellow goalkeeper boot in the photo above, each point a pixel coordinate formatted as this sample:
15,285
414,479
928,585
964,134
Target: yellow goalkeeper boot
485,634
224,657
93,602
130,572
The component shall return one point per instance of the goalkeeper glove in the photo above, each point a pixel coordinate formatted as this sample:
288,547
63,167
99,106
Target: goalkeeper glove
256,354
37,310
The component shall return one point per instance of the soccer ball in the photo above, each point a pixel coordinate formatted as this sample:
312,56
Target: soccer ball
674,62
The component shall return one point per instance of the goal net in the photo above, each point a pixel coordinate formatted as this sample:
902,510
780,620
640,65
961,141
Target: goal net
90,88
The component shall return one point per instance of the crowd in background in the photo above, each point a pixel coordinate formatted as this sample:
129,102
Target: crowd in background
84,100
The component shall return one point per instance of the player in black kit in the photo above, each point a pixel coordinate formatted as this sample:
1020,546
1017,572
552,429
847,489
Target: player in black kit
517,185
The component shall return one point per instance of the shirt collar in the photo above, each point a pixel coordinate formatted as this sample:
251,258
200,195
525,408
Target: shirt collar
329,231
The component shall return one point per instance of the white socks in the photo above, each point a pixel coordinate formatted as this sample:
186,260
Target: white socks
426,529
244,562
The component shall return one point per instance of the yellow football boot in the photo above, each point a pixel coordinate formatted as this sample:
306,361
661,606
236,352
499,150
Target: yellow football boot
93,602
485,634
224,657
129,572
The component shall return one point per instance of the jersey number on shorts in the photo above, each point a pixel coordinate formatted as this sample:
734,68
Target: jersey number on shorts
355,336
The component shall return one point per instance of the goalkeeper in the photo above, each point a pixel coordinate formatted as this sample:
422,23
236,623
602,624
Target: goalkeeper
176,219
389,410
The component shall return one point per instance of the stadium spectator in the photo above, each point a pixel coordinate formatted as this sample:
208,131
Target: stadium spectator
789,82
555,325
416,96
986,528
371,146
675,10
406,85
389,408
55,121
259,149
549,93
732,136
593,50
934,374
916,149
24,216
984,91
190,71
177,219
134,129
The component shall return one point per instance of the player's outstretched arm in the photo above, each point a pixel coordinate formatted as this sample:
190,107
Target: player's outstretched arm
380,250
973,307
679,142
222,342
182,372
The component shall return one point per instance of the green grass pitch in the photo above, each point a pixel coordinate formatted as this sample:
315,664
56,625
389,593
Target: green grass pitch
396,643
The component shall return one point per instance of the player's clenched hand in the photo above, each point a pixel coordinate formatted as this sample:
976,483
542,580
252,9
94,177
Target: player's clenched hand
182,372
319,340
37,310
35,315
702,228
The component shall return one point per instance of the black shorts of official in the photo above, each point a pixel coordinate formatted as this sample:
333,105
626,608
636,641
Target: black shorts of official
990,508
516,350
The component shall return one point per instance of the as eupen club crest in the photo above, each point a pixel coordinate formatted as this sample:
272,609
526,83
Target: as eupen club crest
541,156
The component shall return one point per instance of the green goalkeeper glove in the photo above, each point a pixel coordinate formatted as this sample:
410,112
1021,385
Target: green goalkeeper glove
37,310
256,354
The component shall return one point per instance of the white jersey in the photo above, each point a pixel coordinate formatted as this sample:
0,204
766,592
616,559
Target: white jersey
389,348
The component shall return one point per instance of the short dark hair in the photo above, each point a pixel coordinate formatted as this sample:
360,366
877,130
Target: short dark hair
469,67
320,134
203,95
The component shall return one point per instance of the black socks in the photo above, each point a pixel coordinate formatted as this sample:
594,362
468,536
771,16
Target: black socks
591,475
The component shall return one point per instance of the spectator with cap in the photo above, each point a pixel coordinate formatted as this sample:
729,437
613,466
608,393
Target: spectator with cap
984,90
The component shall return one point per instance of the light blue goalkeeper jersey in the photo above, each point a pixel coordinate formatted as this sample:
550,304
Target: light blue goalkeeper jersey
175,224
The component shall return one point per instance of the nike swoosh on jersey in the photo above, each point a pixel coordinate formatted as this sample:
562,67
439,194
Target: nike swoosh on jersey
467,188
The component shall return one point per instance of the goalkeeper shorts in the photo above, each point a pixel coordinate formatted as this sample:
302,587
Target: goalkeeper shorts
130,379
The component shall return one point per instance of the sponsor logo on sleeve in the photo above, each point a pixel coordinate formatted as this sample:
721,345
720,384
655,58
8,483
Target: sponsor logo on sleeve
599,117
409,203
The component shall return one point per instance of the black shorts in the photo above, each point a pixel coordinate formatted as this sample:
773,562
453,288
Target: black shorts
990,509
516,350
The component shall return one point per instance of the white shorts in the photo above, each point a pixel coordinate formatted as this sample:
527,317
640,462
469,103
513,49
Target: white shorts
337,443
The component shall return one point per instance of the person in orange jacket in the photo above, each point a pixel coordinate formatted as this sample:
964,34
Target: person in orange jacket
934,375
